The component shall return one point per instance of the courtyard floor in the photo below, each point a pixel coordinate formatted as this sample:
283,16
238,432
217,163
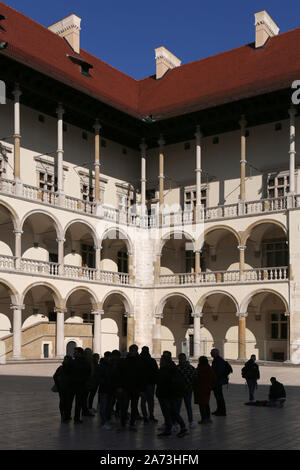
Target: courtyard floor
29,418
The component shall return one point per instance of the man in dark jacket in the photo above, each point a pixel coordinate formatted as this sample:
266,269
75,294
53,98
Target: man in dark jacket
62,382
150,370
219,367
80,373
250,372
103,378
188,372
277,394
170,390
130,386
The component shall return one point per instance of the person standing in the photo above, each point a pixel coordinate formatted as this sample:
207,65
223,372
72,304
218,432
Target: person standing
204,382
188,372
80,373
250,372
150,370
62,381
219,367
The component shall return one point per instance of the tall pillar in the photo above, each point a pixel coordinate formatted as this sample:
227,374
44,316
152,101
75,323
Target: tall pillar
242,336
157,336
197,335
198,171
130,267
243,124
97,331
161,177
17,141
157,268
130,329
198,262
143,177
97,164
18,247
60,153
98,261
242,261
60,244
292,151
60,332
17,330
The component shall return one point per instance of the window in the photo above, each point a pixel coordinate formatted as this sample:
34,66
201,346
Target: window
87,192
47,181
88,318
122,262
189,261
46,350
2,166
52,316
278,326
190,198
278,185
275,254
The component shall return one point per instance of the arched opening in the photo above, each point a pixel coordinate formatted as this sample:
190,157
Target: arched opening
220,250
177,255
80,251
177,334
71,345
7,238
6,314
219,325
268,322
114,323
39,244
115,252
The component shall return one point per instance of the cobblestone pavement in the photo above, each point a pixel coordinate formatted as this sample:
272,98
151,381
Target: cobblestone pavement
29,418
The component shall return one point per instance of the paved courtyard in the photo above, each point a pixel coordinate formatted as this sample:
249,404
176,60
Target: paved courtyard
29,418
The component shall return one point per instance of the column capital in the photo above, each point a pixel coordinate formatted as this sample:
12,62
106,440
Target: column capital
198,133
60,240
97,126
60,110
242,314
161,141
159,316
242,247
242,122
197,315
128,315
17,307
143,145
97,312
59,310
17,92
18,232
292,111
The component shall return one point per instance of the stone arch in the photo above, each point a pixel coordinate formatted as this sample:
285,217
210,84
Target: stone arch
14,216
57,224
127,302
247,300
95,302
15,296
249,229
83,222
222,227
167,236
125,237
58,300
160,307
202,300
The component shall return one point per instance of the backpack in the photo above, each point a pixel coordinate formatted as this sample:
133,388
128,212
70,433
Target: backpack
227,369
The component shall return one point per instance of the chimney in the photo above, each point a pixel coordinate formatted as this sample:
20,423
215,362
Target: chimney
69,28
265,28
165,61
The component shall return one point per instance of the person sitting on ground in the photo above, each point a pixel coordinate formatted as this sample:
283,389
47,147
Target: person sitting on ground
250,372
277,394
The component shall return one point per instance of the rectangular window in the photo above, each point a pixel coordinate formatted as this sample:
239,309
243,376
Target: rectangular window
122,262
278,185
46,350
275,254
189,261
190,198
279,326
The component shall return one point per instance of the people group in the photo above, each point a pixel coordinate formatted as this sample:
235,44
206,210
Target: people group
127,385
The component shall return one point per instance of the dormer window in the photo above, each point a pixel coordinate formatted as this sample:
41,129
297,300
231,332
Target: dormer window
83,65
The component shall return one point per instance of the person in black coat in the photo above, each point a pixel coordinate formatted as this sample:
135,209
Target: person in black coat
250,372
80,374
219,368
169,391
105,382
131,384
277,394
62,381
150,370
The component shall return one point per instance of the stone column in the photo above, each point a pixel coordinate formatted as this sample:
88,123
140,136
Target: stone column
130,267
198,171
161,177
143,177
157,261
60,245
60,333
18,247
17,331
17,141
197,262
97,331
197,335
292,152
242,261
243,124
97,164
157,336
60,154
98,261
242,336
130,329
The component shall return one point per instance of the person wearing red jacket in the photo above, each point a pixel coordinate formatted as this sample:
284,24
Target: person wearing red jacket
204,382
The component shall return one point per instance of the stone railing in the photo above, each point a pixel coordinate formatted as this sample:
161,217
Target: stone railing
38,267
226,277
7,262
78,272
111,277
150,221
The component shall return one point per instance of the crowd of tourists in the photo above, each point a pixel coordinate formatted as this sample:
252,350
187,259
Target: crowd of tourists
127,386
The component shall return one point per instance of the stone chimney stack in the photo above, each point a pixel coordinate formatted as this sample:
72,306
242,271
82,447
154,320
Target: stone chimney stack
165,61
265,28
69,28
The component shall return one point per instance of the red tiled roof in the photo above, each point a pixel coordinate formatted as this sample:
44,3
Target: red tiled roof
232,75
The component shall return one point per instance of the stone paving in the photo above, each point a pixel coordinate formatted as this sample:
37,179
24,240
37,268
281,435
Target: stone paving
29,418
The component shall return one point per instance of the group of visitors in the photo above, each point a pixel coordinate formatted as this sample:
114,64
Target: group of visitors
133,381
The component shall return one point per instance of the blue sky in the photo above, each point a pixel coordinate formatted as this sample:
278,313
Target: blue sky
124,33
